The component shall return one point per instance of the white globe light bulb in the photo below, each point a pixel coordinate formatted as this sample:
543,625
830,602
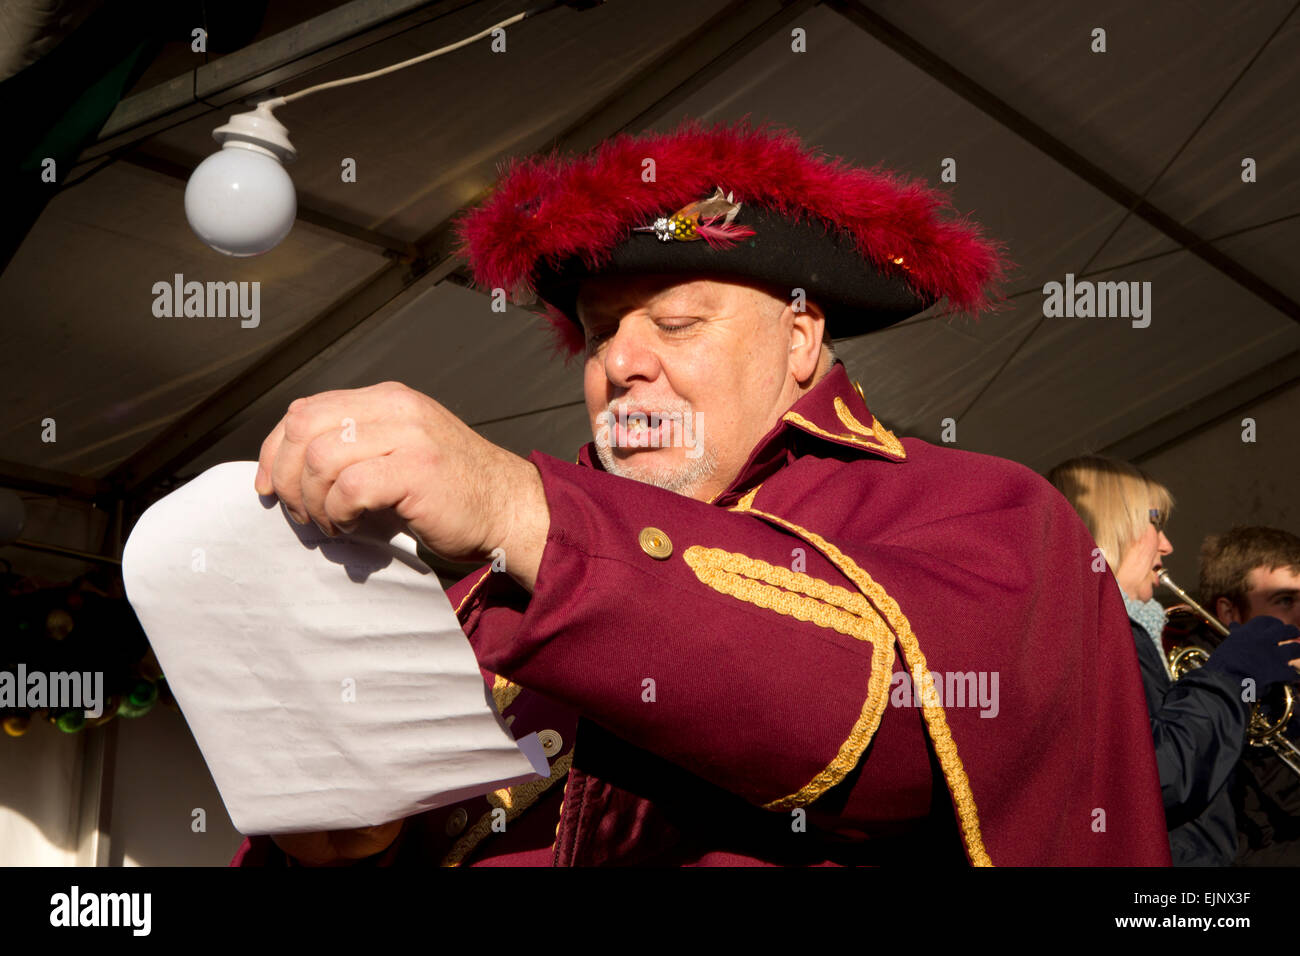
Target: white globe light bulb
240,201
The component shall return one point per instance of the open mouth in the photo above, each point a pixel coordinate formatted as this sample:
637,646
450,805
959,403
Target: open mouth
637,432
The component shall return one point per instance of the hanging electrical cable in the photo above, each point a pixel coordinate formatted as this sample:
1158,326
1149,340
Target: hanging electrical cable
241,200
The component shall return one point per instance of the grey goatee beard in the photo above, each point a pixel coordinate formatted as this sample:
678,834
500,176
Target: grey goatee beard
682,478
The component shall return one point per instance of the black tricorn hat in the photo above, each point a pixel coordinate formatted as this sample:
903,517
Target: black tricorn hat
868,247
781,254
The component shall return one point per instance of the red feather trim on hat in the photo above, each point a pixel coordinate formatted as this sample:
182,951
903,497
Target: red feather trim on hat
551,208
569,338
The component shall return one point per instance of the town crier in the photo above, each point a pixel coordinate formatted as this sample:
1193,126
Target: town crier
749,623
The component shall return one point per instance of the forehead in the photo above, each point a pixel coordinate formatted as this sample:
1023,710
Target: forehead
1273,579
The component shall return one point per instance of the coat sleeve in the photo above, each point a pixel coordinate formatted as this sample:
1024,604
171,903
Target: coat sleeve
1198,724
706,677
760,647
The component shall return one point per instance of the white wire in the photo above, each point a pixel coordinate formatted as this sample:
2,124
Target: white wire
281,100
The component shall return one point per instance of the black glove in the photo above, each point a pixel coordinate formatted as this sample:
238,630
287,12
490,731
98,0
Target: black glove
1251,650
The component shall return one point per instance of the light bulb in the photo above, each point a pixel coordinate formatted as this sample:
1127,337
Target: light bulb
240,201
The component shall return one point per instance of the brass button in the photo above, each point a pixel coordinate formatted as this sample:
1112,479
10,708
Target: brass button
456,822
552,742
655,543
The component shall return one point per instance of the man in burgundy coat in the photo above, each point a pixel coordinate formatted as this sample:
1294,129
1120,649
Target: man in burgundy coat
749,623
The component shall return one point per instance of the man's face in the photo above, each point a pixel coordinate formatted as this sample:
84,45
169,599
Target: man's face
712,364
1271,591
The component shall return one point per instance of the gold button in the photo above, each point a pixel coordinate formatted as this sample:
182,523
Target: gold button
456,822
551,742
655,543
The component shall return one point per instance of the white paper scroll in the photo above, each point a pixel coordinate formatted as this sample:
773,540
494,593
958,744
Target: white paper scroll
326,680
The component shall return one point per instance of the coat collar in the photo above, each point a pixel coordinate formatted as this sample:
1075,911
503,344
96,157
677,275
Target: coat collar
833,412
836,412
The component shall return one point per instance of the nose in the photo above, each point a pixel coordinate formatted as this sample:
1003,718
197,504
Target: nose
1165,546
629,353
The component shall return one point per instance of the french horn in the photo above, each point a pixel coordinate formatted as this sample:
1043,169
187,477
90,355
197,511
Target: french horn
1261,731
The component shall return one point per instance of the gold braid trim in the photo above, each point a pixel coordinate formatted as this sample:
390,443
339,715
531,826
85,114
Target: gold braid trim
884,439
477,584
806,598
747,502
504,692
514,800
882,434
936,720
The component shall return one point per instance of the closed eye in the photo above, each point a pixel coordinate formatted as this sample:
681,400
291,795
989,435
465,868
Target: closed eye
670,325
675,324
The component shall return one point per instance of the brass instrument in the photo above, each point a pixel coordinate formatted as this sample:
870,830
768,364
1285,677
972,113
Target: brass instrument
1261,732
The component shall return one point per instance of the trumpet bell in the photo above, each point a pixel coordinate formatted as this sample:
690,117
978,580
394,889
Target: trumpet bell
1268,718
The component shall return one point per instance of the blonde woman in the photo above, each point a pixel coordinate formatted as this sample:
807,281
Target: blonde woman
1198,722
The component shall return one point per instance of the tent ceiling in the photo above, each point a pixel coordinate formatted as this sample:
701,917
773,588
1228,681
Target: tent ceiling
83,346
427,140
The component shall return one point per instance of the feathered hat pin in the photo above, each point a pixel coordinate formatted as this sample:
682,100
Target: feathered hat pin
697,221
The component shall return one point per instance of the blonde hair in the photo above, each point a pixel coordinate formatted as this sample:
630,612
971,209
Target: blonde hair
1113,498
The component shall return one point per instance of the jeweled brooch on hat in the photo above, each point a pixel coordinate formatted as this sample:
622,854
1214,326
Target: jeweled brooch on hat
699,220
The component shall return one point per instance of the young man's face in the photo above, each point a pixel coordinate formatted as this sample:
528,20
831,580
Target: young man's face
713,364
1275,592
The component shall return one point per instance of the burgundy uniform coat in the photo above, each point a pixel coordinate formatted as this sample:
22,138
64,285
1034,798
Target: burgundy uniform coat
865,650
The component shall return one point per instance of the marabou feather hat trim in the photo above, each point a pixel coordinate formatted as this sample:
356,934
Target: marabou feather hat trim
869,246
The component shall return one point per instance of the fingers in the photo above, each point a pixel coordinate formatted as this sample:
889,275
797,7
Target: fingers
306,414
365,841
363,486
262,482
337,455
332,452
283,456
336,847
303,423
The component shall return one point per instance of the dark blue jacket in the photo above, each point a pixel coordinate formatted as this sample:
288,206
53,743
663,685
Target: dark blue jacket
1198,724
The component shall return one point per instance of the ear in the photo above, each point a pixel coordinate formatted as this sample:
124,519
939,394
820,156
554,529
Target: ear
1226,611
807,326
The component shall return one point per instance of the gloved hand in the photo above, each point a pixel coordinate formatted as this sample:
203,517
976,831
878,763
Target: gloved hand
1251,650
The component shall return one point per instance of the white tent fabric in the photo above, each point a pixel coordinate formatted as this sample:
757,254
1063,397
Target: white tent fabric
40,800
1181,96
91,355
1169,112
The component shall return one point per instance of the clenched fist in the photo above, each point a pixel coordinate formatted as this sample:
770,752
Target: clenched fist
338,847
339,454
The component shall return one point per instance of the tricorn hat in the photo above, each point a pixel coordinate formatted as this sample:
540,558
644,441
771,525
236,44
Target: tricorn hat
869,247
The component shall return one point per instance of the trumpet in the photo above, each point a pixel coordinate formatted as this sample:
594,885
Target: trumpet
1261,731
